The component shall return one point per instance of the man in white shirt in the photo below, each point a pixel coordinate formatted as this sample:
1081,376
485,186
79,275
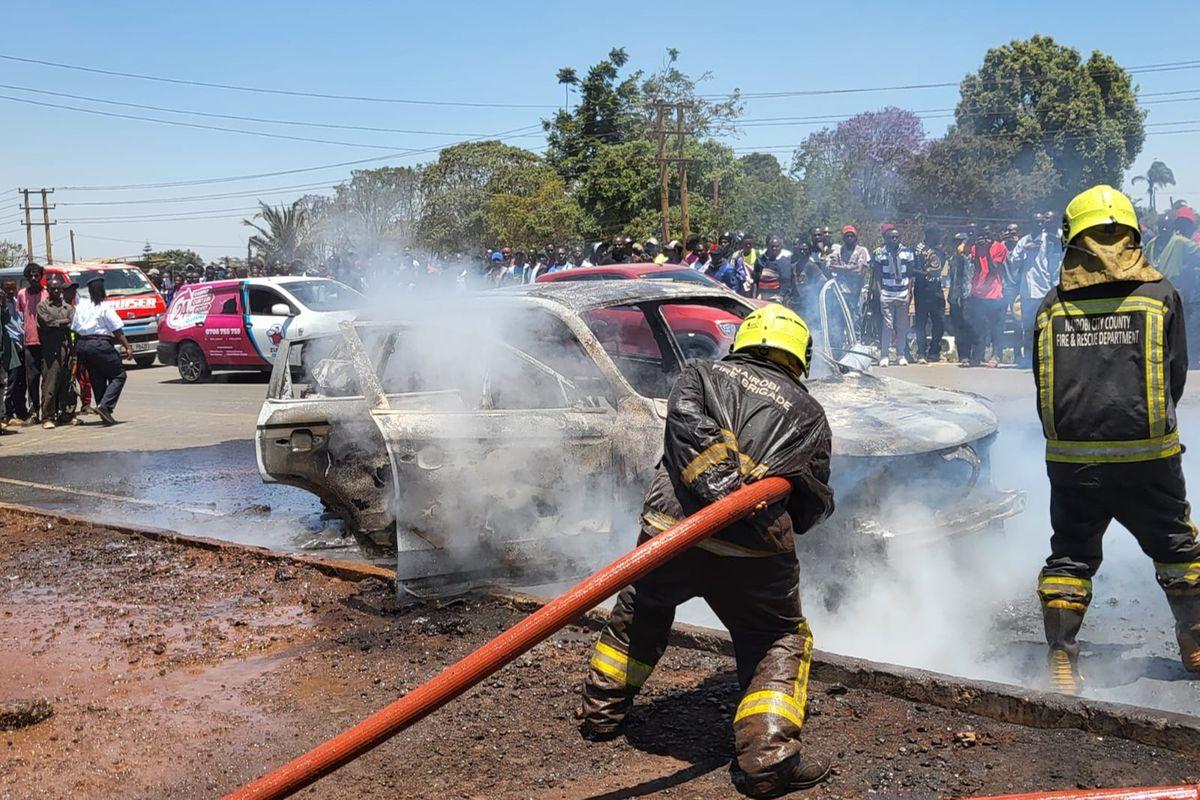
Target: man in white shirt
96,325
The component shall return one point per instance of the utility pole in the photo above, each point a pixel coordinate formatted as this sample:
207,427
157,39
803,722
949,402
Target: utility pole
664,193
72,232
683,166
680,133
29,223
28,226
46,223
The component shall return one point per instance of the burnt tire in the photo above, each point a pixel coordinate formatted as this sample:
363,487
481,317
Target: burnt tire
144,361
193,368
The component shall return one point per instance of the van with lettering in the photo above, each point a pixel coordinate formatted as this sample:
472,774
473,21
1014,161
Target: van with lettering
240,324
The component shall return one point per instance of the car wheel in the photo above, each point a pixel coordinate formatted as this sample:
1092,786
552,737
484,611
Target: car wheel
192,366
144,361
699,348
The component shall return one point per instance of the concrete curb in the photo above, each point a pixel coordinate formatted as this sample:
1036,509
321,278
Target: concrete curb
346,570
998,701
1178,732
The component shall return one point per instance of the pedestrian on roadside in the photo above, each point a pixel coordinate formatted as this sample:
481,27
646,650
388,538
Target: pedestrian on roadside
847,264
13,410
1037,258
97,325
71,295
958,295
892,271
928,295
28,298
54,315
985,307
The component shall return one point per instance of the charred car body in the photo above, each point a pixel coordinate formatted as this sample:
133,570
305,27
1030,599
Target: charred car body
517,430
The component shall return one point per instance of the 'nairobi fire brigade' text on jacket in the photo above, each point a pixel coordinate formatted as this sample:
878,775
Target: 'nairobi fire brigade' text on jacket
732,422
1111,361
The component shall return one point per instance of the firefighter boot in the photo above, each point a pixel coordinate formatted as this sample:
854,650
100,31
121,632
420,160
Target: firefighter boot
1186,608
1062,624
797,773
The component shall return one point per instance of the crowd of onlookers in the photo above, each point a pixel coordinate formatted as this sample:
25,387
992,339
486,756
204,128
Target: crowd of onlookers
970,292
58,350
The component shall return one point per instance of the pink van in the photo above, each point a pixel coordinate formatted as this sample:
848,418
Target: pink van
239,324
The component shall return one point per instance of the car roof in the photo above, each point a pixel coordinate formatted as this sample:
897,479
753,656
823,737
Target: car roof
629,270
285,279
582,295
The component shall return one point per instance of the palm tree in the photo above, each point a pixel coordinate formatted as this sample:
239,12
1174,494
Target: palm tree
1158,176
282,235
568,78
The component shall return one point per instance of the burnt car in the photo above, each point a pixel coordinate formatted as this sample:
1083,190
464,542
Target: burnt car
504,435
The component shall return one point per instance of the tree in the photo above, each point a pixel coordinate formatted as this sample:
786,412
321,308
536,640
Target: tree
527,222
12,254
605,149
759,198
376,210
567,78
857,167
1158,176
457,186
172,260
282,235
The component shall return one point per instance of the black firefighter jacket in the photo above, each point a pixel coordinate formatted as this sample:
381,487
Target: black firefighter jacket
1111,361
732,422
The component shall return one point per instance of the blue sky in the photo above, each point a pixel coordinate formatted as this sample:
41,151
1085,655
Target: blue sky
473,52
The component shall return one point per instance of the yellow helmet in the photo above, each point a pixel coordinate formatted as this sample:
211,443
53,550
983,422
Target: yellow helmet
1099,205
777,329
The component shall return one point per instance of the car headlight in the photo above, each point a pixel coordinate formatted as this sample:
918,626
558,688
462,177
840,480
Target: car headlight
728,328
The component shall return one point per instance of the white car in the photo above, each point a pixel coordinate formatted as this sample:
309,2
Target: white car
240,324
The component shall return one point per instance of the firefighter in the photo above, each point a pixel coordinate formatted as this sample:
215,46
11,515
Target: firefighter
731,422
1111,360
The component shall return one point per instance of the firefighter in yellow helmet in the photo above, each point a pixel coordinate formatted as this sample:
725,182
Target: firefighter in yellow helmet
1110,360
729,423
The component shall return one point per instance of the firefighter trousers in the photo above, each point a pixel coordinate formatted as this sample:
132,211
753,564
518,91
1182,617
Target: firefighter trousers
758,600
1147,497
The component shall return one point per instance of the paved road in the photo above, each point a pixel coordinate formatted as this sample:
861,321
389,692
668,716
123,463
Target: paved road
183,458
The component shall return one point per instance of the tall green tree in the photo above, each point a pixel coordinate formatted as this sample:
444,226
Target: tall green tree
527,222
455,190
1158,176
1042,123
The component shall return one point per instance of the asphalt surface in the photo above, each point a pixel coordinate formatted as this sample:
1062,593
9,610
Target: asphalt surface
183,458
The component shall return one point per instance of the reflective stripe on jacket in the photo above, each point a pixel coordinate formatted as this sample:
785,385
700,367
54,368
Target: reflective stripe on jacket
1111,361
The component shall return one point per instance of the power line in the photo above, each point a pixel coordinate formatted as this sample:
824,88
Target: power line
164,244
164,217
198,197
501,136
1169,66
196,125
239,118
263,90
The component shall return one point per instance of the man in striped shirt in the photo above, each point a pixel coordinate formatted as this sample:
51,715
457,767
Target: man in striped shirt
892,273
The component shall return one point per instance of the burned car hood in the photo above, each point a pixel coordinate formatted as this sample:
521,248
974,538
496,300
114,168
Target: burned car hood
876,416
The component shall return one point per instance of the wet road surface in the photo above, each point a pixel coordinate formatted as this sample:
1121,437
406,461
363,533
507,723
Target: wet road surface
184,459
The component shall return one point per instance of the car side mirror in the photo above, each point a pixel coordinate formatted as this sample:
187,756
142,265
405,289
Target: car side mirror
281,310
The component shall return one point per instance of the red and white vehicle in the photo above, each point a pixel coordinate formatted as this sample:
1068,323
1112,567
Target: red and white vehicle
138,303
703,332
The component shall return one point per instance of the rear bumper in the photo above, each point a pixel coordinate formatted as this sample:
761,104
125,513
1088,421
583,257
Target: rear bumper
167,352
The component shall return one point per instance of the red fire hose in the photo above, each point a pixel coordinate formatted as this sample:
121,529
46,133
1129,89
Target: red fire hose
1144,793
458,678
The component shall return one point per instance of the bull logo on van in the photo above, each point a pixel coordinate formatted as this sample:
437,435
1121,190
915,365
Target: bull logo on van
275,334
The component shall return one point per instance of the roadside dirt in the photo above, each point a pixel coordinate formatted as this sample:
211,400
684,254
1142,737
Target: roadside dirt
177,672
